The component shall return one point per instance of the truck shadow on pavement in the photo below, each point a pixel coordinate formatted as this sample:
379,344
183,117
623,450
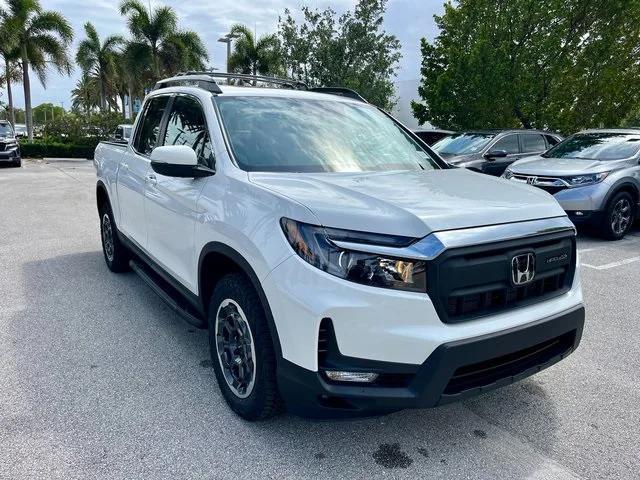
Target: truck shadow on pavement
113,380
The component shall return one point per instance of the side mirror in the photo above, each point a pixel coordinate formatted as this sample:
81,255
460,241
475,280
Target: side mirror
118,135
178,161
493,154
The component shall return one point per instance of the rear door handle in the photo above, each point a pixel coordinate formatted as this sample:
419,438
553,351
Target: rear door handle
151,179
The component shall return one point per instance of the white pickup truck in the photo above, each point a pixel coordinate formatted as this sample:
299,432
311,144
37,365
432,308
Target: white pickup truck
340,266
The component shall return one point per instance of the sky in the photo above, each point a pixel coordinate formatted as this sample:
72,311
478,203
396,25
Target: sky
409,20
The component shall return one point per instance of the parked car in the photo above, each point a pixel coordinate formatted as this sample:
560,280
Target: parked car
340,267
122,133
432,135
9,148
21,130
595,175
492,151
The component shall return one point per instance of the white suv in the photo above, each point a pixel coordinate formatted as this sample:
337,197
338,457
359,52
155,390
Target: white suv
340,265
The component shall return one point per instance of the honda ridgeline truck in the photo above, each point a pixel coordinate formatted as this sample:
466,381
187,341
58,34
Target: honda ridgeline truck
341,266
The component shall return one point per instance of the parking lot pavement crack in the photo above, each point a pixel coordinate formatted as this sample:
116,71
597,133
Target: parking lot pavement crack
556,469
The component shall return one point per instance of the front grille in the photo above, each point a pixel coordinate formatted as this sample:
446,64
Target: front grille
472,282
551,189
485,373
3,146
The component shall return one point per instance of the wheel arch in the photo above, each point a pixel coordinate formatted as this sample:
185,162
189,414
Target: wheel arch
216,260
102,195
623,186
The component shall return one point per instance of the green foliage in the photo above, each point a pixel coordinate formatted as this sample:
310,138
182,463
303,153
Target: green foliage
557,64
158,43
80,129
42,149
348,51
254,56
46,112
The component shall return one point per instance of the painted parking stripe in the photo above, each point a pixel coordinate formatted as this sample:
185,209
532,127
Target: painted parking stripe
612,265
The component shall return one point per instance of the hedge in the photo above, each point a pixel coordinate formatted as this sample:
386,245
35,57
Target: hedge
56,150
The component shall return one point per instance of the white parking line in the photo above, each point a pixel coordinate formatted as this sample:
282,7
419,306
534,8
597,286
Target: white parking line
613,264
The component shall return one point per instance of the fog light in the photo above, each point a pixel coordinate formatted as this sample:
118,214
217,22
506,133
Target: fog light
579,214
361,377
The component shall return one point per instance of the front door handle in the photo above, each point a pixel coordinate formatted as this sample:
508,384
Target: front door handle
151,179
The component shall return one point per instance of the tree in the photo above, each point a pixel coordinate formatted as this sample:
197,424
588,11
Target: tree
254,56
350,51
10,53
97,58
85,96
43,38
557,64
159,43
46,112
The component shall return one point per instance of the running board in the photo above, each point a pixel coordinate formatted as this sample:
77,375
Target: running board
167,293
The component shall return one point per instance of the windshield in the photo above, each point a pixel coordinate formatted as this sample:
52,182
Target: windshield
597,146
5,129
280,134
463,143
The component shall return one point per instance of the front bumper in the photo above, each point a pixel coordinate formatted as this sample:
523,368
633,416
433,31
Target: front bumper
10,155
454,371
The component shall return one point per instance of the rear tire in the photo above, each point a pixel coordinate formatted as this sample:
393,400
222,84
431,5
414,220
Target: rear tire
115,253
242,350
619,216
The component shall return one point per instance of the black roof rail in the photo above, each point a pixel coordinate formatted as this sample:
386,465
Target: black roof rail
342,91
191,80
206,80
245,77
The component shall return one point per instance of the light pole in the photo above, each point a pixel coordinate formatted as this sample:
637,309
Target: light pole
227,39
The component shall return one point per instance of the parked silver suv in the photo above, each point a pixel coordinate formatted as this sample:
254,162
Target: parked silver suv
595,175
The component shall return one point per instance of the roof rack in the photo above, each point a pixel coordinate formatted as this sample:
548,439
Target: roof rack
206,81
342,91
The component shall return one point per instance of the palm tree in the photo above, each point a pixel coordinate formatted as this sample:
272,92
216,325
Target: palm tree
97,58
10,53
12,74
253,56
42,38
85,96
157,40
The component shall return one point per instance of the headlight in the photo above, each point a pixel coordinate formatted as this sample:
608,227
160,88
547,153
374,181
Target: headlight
316,245
589,179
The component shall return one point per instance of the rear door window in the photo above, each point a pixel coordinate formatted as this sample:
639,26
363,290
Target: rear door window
532,142
149,129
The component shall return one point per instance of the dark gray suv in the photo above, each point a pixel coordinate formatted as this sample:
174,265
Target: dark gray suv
492,151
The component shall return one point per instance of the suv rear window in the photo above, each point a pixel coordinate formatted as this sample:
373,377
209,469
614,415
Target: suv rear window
284,134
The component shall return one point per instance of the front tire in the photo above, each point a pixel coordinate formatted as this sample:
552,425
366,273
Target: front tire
115,253
618,216
242,351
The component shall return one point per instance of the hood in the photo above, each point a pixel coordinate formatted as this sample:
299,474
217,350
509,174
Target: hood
543,166
411,203
459,159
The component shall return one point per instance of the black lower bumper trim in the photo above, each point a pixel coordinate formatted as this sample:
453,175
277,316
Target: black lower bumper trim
454,371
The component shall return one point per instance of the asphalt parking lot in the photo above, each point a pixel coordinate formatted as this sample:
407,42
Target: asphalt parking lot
99,379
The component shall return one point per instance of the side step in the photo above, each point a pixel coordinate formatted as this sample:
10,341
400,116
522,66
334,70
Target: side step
168,294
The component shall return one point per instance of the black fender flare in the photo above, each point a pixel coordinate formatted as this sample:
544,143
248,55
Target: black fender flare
245,267
619,185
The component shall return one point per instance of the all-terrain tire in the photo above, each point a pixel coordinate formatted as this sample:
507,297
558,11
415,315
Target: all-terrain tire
235,302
